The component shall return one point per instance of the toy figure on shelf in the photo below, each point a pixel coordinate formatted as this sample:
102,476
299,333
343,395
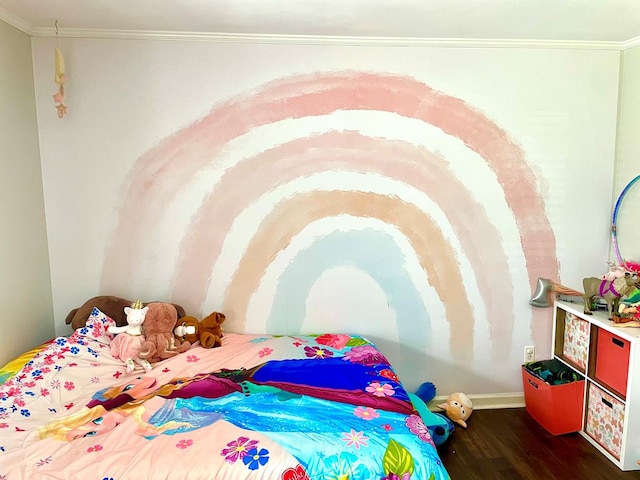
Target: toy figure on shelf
615,271
632,267
129,339
611,292
628,315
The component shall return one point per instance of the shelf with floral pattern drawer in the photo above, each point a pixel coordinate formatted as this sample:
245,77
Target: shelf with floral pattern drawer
609,356
572,339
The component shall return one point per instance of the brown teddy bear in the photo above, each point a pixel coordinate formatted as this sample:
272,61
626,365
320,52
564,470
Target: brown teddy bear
111,306
207,331
160,342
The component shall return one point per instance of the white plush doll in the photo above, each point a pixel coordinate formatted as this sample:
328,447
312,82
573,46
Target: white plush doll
129,339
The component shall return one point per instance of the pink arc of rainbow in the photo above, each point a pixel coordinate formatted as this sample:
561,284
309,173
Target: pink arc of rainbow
167,168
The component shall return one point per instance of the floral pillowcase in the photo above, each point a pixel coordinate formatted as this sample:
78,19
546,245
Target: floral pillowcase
96,327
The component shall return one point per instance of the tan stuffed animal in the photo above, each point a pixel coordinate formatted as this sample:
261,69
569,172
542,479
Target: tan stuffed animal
207,331
111,306
458,408
160,342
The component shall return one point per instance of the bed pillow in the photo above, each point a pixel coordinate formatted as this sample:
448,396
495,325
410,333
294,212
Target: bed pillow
96,328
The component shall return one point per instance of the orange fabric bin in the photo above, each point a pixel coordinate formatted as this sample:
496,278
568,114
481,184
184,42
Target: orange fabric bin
612,361
557,408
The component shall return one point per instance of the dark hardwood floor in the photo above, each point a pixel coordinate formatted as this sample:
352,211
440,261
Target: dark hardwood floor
508,444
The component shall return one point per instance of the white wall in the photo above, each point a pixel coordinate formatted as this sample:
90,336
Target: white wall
410,194
25,285
628,157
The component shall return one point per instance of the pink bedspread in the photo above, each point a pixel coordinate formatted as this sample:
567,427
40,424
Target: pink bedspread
263,407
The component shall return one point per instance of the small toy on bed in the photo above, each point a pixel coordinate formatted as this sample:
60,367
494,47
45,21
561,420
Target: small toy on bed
207,331
111,306
160,341
439,426
458,408
129,339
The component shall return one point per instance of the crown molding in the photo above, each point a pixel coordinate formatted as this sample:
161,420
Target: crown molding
25,27
15,21
322,39
631,43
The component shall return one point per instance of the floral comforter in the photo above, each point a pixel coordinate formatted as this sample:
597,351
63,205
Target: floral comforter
258,407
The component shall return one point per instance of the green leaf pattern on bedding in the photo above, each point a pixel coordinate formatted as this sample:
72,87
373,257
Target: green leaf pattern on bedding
397,460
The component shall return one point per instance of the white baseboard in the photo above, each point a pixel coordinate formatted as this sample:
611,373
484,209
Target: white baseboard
486,401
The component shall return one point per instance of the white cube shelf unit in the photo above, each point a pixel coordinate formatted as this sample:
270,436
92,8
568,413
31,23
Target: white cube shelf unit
609,357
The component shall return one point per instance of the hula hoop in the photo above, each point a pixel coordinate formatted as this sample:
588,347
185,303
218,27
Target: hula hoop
614,219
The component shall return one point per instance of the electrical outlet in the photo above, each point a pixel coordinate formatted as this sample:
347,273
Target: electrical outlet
529,354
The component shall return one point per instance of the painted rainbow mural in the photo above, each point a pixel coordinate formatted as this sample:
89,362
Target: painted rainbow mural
372,172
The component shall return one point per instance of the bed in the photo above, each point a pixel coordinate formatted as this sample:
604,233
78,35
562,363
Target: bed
316,407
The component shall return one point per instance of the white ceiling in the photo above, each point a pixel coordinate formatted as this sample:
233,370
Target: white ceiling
520,20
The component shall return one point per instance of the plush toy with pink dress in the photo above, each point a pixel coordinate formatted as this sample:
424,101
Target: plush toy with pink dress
129,339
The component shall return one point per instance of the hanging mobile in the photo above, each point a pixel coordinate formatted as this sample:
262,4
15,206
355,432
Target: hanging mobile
60,78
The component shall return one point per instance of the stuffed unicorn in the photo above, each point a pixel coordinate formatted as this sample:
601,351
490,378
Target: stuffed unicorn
129,339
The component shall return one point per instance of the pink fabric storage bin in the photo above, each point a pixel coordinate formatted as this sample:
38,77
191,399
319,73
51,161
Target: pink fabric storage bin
576,340
605,420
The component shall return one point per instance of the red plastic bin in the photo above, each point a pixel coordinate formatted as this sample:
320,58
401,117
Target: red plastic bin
612,360
557,408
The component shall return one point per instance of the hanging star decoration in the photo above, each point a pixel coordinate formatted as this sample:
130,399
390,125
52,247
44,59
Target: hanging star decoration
60,79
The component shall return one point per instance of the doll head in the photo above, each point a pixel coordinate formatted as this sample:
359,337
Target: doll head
458,408
136,314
